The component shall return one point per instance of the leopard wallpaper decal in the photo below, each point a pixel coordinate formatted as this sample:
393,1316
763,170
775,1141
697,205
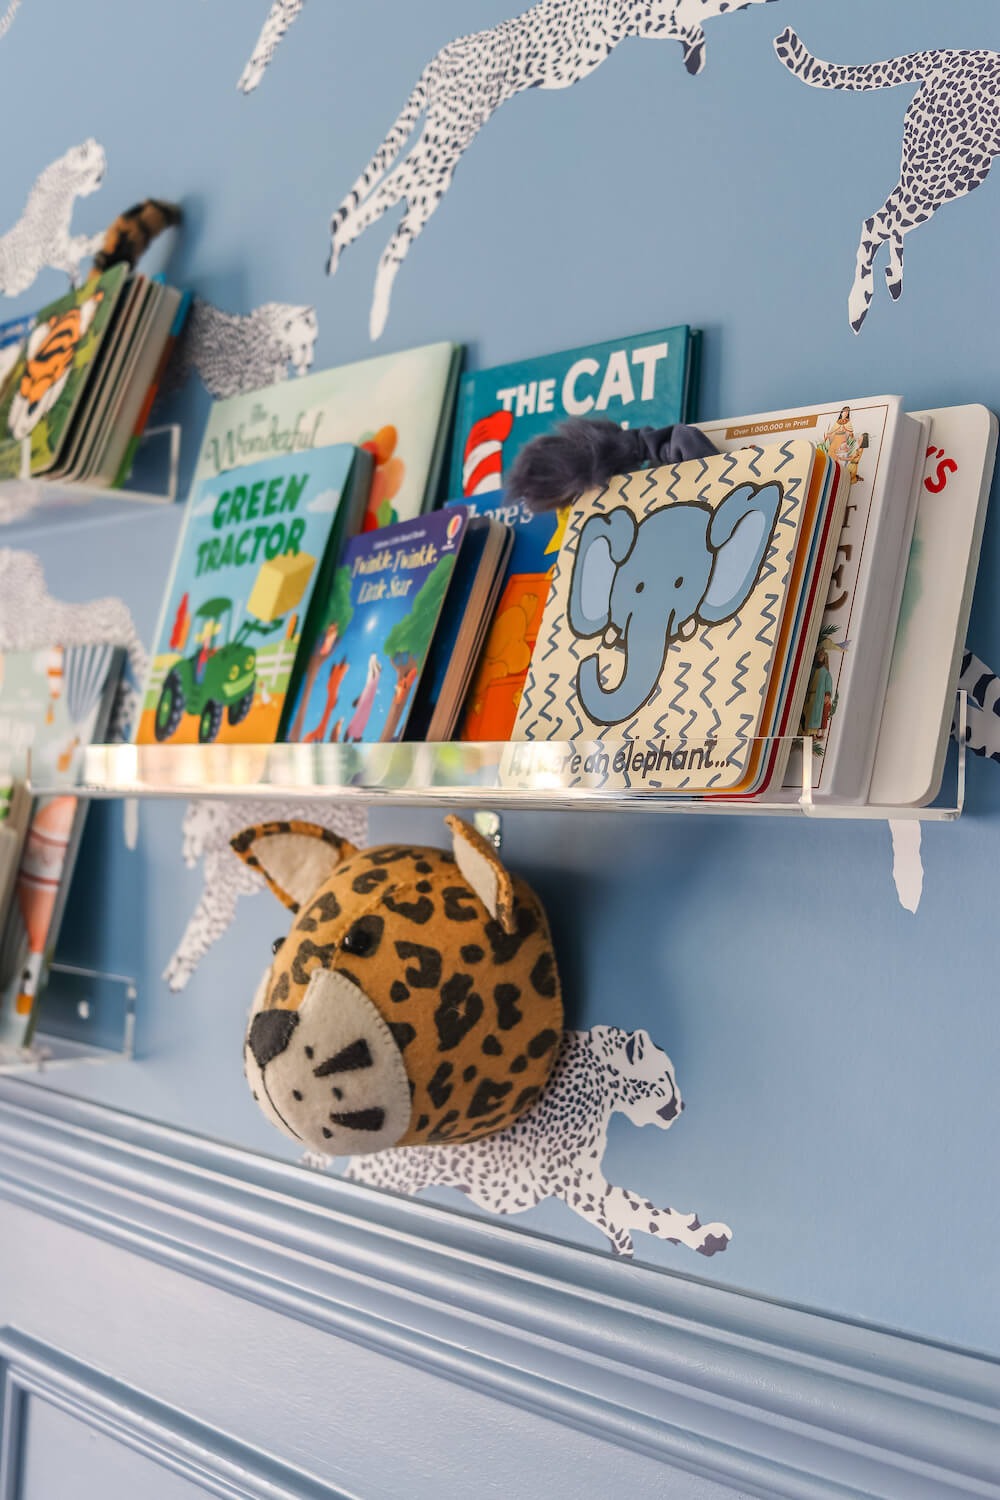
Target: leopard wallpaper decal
208,829
951,133
41,237
553,45
556,1150
236,352
279,18
30,618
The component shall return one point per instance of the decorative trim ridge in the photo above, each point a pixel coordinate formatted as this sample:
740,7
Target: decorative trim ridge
768,1398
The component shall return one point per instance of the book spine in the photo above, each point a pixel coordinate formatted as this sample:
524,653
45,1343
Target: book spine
125,467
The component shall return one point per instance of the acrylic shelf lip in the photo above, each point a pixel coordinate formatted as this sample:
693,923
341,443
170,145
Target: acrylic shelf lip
44,492
85,1016
540,775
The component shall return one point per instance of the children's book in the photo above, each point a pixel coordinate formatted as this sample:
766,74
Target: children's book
678,626
52,372
52,702
134,438
495,690
397,406
380,618
254,546
13,334
648,380
878,445
461,629
937,600
131,393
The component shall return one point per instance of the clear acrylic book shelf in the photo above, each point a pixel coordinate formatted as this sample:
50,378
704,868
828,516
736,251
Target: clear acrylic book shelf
554,776
86,1015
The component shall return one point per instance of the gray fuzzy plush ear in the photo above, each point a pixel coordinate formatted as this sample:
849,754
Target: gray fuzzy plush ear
478,862
294,858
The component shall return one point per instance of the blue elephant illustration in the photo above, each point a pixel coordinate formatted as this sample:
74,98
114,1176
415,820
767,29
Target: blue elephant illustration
641,585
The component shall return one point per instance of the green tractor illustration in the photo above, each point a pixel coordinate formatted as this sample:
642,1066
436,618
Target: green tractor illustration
220,676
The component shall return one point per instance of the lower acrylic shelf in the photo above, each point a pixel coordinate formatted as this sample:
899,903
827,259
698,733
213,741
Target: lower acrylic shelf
536,775
85,1016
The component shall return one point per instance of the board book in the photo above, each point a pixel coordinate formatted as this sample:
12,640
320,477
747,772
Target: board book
52,702
468,609
398,406
254,547
937,600
648,380
684,605
50,377
498,680
381,614
878,446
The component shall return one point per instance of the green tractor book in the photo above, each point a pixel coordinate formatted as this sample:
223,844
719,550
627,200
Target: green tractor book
256,553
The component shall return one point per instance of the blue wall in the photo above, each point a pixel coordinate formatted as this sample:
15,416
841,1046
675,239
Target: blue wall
837,1053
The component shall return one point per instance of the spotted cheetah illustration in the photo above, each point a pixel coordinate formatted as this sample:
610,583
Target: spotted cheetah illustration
41,237
555,1150
552,45
951,133
279,18
416,998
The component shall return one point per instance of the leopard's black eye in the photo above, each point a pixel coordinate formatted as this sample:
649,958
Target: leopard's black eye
276,945
363,936
358,941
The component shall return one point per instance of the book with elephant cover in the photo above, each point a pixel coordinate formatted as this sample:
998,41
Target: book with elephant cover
52,373
398,407
879,446
684,606
52,702
937,600
647,380
381,613
256,550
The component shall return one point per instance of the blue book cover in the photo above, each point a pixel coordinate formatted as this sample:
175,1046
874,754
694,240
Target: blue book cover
384,605
253,552
495,691
643,381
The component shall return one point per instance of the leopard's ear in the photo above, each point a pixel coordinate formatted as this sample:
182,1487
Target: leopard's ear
294,858
478,862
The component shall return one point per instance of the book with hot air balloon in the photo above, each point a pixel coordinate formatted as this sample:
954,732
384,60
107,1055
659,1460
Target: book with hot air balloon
52,702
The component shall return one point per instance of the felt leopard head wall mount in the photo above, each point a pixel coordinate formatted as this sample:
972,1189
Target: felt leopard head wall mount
415,1000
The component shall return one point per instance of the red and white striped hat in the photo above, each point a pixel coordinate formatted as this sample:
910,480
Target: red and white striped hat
482,468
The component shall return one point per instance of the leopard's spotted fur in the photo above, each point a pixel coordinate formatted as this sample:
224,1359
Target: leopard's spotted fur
472,1003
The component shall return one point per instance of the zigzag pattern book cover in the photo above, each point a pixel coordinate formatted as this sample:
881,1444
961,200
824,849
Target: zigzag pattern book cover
680,619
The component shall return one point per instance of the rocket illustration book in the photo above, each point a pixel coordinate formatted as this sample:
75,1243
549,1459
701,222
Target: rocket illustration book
52,702
680,684
647,380
257,548
381,614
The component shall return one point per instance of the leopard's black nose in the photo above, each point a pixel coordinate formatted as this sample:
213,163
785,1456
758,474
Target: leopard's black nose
669,1111
270,1033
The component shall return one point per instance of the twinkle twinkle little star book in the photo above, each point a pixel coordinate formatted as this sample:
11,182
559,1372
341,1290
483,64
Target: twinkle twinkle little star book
380,617
684,606
254,553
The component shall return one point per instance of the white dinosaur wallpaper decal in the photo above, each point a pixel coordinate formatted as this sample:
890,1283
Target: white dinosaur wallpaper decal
556,1149
951,133
553,45
41,237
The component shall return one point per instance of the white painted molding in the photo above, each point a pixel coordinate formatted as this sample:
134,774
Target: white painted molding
769,1399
